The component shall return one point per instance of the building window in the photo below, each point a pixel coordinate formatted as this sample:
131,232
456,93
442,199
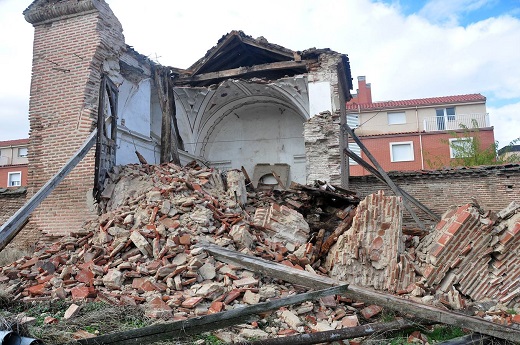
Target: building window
443,115
22,152
356,149
353,120
396,118
14,179
401,152
461,147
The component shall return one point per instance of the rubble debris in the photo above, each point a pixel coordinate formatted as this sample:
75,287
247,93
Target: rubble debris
368,253
176,242
474,251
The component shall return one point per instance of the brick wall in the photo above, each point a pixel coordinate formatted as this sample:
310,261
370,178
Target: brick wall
10,201
72,43
494,187
6,169
435,153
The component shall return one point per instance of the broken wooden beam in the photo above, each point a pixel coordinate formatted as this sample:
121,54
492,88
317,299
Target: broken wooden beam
235,72
383,173
338,334
470,339
403,306
342,227
18,220
377,175
198,325
269,268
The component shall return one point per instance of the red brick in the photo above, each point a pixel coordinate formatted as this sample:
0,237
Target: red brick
36,289
371,311
215,307
85,276
454,228
191,302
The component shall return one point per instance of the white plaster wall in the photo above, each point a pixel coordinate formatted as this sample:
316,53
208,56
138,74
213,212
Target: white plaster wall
128,143
135,123
320,97
134,106
259,133
155,115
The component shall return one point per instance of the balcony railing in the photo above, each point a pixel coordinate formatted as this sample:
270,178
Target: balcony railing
453,122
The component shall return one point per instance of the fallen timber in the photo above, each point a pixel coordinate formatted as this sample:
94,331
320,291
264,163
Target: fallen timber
338,334
403,306
198,325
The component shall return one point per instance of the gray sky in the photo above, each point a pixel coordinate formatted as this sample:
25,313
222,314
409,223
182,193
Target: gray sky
406,49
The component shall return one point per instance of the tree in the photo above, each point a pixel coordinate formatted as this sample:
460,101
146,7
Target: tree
467,150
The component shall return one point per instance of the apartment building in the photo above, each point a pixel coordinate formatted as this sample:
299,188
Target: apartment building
416,134
13,163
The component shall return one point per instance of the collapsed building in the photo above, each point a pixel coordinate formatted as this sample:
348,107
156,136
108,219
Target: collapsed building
244,104
247,105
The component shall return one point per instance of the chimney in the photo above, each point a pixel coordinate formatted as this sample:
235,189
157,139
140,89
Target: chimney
364,92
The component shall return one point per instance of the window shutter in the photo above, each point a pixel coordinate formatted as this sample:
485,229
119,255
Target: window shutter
354,148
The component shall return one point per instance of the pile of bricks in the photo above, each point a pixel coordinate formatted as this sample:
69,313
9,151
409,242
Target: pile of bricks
474,253
143,251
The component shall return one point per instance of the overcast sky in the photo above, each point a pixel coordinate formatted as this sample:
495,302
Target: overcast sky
406,49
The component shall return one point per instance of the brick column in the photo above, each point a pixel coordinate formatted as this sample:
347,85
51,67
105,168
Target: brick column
73,42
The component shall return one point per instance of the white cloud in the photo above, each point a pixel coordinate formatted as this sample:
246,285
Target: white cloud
402,56
506,123
448,12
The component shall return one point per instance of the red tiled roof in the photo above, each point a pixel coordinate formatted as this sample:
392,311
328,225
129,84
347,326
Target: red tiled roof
474,97
16,142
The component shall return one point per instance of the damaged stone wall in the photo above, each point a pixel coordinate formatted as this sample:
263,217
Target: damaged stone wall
474,253
74,41
323,150
494,186
368,253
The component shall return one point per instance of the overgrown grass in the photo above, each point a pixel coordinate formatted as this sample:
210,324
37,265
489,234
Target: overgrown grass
11,254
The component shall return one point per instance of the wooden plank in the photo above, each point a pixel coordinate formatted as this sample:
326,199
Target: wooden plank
401,305
342,227
471,339
376,173
385,176
278,179
14,224
269,268
338,334
197,325
235,72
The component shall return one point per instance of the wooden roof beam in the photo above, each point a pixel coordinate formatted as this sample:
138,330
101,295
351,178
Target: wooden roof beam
235,72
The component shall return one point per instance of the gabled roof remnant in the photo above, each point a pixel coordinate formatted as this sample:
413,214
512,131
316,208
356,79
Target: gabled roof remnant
239,55
236,49
476,97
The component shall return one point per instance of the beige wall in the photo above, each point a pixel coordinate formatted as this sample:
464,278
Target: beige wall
375,122
9,155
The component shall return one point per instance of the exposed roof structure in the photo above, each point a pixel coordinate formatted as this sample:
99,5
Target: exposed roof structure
476,97
239,55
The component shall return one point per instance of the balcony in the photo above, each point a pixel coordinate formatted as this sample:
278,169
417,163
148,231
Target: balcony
453,122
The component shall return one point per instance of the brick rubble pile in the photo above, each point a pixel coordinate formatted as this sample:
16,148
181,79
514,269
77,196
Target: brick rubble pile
142,251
